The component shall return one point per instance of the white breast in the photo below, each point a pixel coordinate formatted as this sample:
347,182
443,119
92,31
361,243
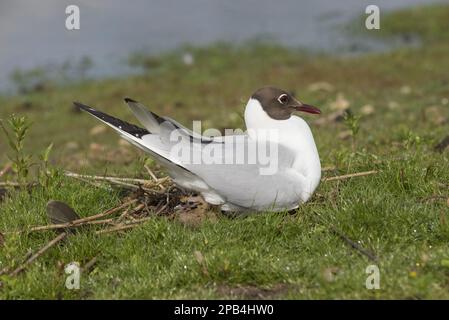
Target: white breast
295,134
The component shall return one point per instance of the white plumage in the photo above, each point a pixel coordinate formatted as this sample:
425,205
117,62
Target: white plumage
233,186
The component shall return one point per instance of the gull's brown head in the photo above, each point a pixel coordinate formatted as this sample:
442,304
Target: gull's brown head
280,104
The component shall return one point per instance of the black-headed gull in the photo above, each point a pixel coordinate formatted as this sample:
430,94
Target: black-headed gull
273,166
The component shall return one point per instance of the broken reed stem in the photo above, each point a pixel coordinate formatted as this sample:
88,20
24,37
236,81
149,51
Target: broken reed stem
55,226
10,184
95,184
151,173
17,185
110,179
78,222
153,176
5,169
354,245
351,175
124,184
40,252
130,183
346,239
113,229
329,168
128,212
88,266
125,226
4,271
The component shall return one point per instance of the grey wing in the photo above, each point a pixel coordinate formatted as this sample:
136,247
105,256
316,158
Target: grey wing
260,183
162,126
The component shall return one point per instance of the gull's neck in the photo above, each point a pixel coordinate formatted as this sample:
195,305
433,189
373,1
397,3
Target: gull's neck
293,131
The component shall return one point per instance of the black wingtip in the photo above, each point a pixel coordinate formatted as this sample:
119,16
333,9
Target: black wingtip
127,100
81,106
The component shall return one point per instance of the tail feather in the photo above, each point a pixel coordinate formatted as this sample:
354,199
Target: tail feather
114,122
163,125
150,120
133,134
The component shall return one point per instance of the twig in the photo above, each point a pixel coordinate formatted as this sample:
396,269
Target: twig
129,212
17,185
4,271
151,173
117,228
129,183
138,221
354,245
56,226
95,184
103,214
5,169
40,252
153,176
88,266
442,145
125,226
161,209
124,184
346,239
432,198
78,222
10,184
110,179
351,175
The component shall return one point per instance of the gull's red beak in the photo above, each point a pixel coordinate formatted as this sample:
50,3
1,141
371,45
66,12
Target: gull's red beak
308,108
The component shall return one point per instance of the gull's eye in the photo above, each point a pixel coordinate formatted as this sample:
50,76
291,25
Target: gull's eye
283,98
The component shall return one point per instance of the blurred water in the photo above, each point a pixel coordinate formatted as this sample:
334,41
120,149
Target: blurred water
33,33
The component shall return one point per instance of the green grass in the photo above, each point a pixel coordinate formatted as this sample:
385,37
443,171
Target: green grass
400,213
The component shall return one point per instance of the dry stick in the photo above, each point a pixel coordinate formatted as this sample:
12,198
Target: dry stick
110,180
161,209
430,198
354,245
127,225
5,169
88,266
4,270
113,229
128,212
123,182
351,175
329,168
95,184
17,185
152,175
10,184
123,215
102,178
40,252
94,222
78,222
53,226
